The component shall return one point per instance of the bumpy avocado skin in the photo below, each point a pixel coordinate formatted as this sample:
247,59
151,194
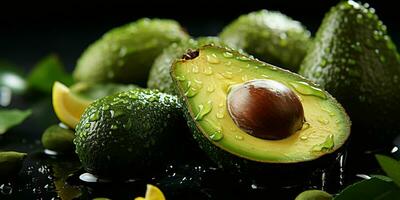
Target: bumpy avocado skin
125,54
270,36
355,60
126,133
160,77
263,173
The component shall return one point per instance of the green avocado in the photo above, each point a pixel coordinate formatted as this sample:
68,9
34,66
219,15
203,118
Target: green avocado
159,77
10,163
355,60
270,36
125,54
248,115
92,91
314,195
58,139
128,133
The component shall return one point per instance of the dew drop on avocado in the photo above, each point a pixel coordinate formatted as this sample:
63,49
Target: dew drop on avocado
308,90
94,117
212,59
217,136
203,110
326,146
191,92
266,109
210,88
227,54
207,71
180,78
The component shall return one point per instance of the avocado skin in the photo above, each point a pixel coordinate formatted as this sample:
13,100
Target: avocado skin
92,91
270,36
11,163
134,134
355,60
266,173
125,54
160,77
58,139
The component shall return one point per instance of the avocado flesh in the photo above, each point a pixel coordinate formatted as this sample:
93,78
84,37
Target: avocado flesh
355,60
125,54
129,132
270,36
159,77
203,83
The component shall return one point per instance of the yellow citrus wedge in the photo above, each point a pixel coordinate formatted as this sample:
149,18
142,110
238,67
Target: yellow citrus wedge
67,106
152,193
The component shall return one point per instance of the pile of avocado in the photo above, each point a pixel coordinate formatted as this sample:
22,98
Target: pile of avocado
245,110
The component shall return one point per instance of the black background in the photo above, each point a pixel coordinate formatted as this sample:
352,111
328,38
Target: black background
29,31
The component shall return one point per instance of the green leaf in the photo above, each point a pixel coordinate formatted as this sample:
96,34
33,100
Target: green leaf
391,167
11,118
374,188
46,72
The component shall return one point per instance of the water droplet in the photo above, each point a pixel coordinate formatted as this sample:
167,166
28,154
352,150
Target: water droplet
239,137
212,59
217,136
265,76
195,69
326,146
303,137
207,70
198,82
114,127
227,54
191,92
245,78
308,90
6,189
220,114
229,63
306,125
203,110
227,74
94,117
180,78
243,58
210,88
106,107
323,121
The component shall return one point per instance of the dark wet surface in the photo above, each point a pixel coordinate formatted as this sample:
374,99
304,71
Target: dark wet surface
58,177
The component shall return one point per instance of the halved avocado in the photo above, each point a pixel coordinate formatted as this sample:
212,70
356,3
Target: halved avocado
287,120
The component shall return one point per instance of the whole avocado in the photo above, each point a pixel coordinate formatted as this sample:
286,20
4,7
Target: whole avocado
159,77
127,133
355,60
270,36
125,54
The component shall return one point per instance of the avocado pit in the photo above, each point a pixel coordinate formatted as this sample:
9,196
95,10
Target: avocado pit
265,109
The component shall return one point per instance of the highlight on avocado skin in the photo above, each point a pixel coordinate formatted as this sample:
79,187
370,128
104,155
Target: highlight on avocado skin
125,54
269,36
11,163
